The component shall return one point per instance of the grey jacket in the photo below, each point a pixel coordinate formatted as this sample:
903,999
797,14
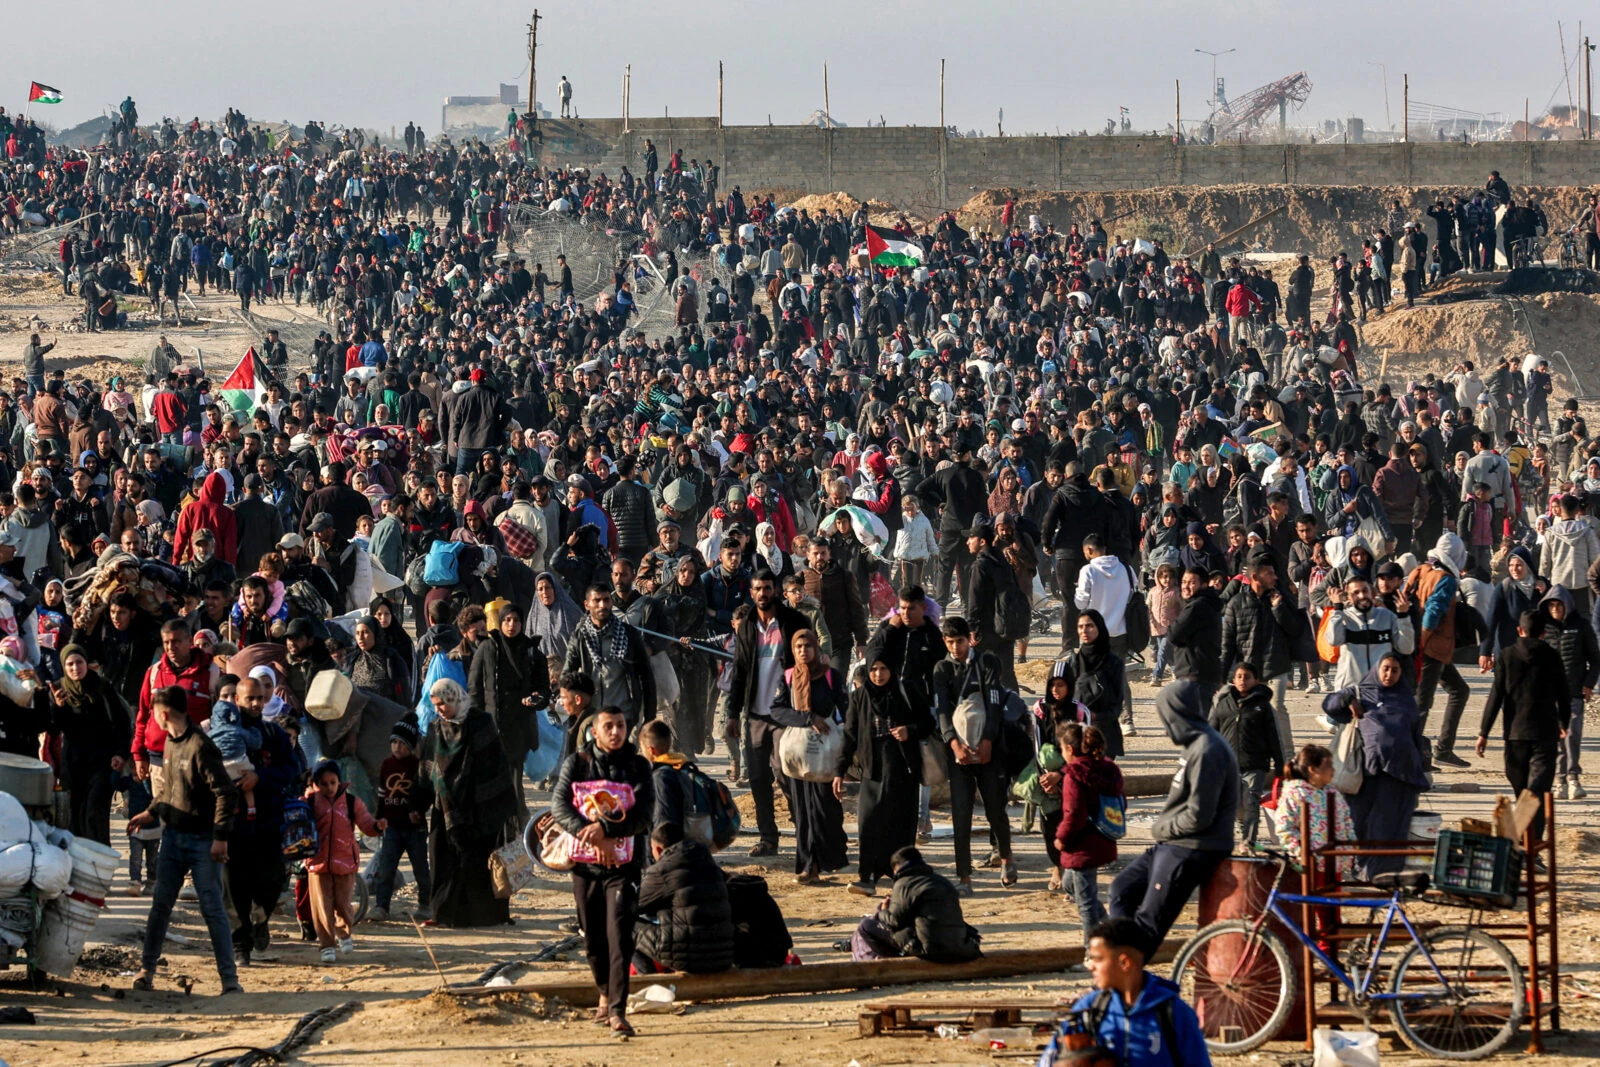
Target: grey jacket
1204,799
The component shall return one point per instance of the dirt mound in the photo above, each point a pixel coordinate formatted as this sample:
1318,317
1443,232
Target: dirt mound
883,212
1565,327
1579,842
497,1010
1317,220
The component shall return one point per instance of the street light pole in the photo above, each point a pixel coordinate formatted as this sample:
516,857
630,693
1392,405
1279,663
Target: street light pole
1389,121
1214,55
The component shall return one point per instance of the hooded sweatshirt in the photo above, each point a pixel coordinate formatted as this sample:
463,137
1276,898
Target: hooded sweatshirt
209,512
1203,801
1104,585
1571,547
1572,637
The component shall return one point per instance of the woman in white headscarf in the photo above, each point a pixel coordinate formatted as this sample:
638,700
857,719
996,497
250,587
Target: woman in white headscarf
767,550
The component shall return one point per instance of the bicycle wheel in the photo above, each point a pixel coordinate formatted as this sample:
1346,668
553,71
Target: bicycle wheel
1477,1008
1240,981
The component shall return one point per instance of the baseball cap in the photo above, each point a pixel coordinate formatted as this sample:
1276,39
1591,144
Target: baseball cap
291,540
300,628
322,521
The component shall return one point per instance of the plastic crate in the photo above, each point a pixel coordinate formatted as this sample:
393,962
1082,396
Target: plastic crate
1476,865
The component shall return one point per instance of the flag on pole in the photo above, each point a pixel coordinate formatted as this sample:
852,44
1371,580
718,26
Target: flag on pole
246,387
888,248
43,94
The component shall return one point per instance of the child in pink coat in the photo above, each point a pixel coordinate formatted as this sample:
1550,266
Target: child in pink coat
331,872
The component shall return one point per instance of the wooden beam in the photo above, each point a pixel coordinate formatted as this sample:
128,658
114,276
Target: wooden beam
578,988
1146,785
1258,220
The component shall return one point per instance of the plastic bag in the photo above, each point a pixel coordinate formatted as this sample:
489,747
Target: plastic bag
1341,1048
13,820
439,666
653,1000
667,688
510,869
52,866
1349,760
541,762
810,756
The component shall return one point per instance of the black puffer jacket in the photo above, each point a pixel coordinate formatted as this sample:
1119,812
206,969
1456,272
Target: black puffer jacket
687,893
1196,637
924,915
1076,511
630,507
1255,632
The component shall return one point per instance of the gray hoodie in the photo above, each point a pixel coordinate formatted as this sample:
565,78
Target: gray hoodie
1204,799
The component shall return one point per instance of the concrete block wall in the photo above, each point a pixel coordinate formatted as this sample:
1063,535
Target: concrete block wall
918,167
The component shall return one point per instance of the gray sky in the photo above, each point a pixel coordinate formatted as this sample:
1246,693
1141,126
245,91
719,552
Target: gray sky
1048,64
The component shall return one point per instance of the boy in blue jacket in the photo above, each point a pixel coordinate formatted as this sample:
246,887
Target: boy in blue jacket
1136,1015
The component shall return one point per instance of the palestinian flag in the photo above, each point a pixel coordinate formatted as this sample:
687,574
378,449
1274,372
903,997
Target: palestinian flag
43,94
246,387
889,248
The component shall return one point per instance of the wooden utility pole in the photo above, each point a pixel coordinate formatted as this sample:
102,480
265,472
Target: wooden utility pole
627,94
533,67
1588,90
827,108
719,94
941,97
1405,109
1177,110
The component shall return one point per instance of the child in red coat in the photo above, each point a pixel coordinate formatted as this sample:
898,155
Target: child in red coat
332,871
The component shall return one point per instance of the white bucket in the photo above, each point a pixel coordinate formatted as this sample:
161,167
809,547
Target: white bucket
93,866
63,934
1425,827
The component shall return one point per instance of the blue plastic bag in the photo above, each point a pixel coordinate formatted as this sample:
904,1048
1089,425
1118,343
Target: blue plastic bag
541,762
439,666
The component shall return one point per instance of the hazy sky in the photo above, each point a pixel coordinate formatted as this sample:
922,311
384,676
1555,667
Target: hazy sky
1048,64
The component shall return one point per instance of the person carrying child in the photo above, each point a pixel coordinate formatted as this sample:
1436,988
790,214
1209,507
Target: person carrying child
332,870
403,803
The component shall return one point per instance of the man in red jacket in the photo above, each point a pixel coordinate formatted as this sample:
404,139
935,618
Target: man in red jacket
169,411
1242,302
180,665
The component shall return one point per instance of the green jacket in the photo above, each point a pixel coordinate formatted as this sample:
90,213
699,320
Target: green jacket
1026,788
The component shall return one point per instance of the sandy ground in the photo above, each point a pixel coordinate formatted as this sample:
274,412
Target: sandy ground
93,1018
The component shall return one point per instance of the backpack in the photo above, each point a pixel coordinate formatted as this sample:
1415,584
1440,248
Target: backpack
709,813
1013,613
299,830
416,582
1136,616
443,566
761,937
1110,818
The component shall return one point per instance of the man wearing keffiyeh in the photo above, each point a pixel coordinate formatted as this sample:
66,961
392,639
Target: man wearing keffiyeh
613,653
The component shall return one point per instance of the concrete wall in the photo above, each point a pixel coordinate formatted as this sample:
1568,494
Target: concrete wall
916,167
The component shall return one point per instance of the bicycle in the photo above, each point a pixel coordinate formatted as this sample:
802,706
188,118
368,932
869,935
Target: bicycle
1456,993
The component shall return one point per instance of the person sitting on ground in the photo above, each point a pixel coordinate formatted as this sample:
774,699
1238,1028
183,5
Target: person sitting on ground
686,893
921,917
1136,1016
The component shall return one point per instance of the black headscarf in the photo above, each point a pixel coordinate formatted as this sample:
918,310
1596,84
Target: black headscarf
1095,653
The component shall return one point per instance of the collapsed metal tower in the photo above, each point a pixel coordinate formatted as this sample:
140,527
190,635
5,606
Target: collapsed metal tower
1246,112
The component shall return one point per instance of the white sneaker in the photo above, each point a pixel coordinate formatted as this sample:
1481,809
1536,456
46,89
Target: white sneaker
1327,724
347,945
1575,789
330,955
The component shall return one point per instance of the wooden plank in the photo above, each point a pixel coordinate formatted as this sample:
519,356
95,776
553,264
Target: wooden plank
577,988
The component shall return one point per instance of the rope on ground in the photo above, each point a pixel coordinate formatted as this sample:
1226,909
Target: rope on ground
544,955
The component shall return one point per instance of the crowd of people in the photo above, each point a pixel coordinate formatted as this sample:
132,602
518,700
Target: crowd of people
837,499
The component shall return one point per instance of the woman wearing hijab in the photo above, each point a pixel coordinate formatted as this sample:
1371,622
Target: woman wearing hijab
474,809
1393,771
884,736
816,695
1096,679
1200,551
766,548
553,616
1350,504
683,600
377,667
96,730
383,609
1520,591
1006,494
510,680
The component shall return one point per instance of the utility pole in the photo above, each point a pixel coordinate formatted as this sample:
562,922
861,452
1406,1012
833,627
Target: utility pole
1405,135
941,98
827,108
1388,121
719,94
1177,110
627,94
1216,97
533,66
1588,90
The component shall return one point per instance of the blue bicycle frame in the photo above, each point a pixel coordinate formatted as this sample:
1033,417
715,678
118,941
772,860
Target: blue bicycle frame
1363,989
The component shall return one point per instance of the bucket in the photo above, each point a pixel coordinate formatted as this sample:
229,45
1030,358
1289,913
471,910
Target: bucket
93,866
63,934
1425,827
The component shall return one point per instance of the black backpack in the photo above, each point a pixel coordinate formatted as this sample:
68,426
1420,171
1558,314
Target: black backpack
1136,616
709,813
761,937
1013,612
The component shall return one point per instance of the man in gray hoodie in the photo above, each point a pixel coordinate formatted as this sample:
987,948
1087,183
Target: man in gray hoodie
1194,832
